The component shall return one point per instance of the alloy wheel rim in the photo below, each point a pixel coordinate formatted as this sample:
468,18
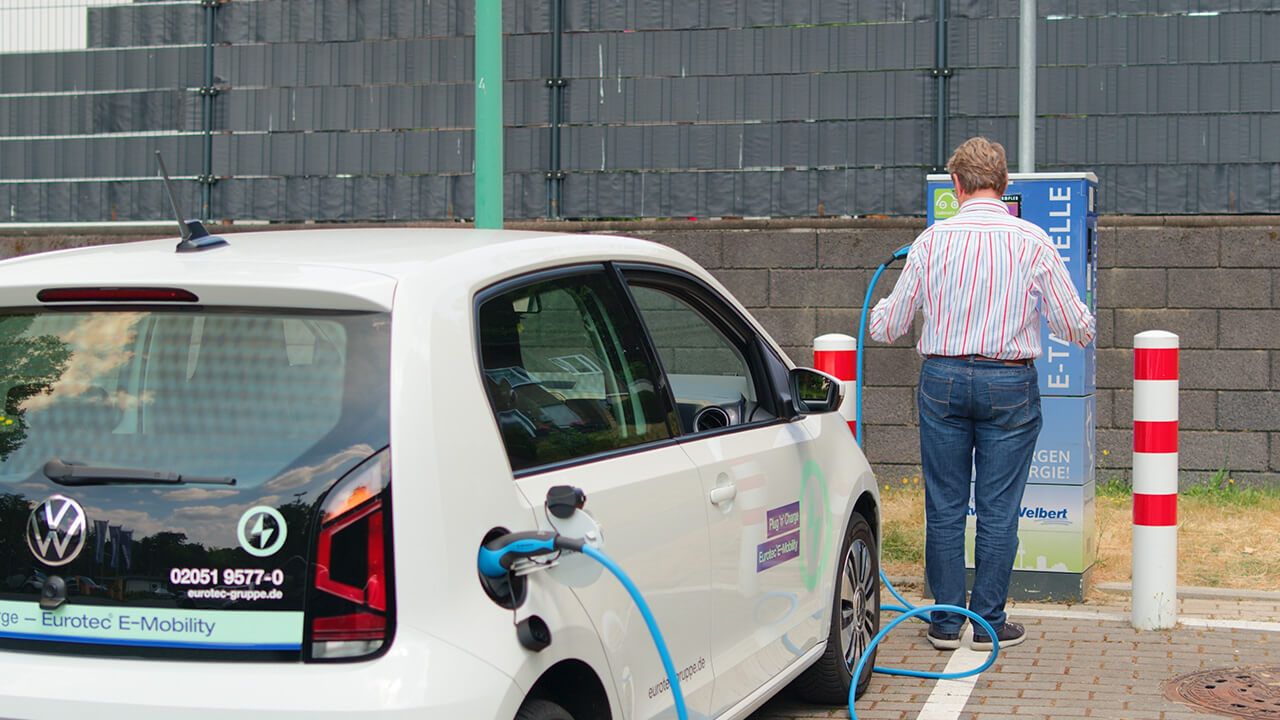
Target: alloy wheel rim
857,616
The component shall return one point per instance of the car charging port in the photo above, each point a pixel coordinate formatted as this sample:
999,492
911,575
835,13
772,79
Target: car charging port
508,590
502,550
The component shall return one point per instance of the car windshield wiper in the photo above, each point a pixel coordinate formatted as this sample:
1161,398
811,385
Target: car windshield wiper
72,473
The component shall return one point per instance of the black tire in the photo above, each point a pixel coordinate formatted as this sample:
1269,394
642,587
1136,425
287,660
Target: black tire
855,619
540,709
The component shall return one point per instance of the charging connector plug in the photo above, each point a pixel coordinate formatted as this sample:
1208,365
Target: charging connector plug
498,555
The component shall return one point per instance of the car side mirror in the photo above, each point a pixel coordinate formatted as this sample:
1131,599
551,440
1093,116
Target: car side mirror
813,391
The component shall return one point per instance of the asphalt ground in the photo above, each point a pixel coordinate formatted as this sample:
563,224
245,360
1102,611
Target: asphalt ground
1079,661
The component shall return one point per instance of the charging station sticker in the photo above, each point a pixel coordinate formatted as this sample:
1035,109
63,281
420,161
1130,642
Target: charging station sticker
783,526
945,203
777,551
153,626
1014,203
783,519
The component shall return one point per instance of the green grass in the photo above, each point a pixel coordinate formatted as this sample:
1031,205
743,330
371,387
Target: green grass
1113,487
1227,494
1219,488
902,544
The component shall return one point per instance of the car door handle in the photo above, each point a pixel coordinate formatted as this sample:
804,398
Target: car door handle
723,494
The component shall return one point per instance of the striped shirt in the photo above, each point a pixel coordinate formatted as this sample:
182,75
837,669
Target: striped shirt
983,278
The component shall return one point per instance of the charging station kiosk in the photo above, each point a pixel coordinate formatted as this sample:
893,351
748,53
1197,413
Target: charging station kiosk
1056,537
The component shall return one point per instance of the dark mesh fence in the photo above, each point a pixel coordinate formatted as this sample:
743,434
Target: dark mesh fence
338,110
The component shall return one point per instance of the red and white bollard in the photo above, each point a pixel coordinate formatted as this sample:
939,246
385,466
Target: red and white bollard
1155,480
836,354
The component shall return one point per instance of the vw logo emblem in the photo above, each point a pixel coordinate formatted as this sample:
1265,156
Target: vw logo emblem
56,530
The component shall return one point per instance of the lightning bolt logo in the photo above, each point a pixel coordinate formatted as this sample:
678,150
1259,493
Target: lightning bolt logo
257,537
262,533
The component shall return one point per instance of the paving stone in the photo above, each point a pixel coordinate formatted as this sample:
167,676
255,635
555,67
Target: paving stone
1074,668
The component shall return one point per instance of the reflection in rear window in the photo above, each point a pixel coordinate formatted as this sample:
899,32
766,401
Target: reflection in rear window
214,394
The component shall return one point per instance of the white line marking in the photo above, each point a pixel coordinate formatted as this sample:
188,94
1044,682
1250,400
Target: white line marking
949,696
1231,624
1213,623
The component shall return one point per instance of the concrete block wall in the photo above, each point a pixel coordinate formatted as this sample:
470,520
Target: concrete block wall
1213,280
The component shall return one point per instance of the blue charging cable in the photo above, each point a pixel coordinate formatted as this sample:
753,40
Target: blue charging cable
862,339
594,553
498,555
907,609
909,612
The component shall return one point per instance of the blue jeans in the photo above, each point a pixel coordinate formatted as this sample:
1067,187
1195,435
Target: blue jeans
984,416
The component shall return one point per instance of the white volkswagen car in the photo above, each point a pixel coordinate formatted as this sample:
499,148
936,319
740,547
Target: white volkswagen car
254,477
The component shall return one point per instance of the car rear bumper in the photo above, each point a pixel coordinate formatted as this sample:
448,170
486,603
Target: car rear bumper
419,677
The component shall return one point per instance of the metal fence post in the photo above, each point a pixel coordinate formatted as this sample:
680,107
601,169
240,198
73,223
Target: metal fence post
207,93
488,135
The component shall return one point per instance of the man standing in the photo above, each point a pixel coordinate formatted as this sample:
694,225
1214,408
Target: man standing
983,279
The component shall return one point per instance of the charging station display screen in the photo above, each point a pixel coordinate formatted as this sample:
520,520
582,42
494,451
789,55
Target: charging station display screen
1014,203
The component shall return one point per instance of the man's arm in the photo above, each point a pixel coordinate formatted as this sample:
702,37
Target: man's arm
1068,317
891,317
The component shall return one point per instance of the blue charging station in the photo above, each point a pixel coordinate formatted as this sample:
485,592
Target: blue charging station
1056,530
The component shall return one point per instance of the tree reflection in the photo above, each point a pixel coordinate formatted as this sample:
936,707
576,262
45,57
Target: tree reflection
14,555
168,549
28,367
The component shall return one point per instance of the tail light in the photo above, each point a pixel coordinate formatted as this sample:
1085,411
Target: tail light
349,611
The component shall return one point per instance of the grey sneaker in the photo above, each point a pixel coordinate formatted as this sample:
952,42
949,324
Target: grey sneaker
1011,634
943,640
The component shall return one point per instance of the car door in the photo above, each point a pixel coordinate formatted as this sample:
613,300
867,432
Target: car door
755,471
575,394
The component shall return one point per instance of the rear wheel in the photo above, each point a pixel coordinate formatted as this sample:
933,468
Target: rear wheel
540,709
855,619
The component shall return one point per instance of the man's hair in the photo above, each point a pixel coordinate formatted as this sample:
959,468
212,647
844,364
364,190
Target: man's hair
979,164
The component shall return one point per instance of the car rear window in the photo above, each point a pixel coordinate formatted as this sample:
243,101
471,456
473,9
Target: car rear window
212,395
257,412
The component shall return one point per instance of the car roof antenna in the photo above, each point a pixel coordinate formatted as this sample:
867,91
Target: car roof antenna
194,236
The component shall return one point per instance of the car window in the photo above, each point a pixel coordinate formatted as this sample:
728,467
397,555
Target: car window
566,372
242,394
709,371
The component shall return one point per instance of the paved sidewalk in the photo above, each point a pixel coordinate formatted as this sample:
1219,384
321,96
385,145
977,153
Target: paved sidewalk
1079,661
